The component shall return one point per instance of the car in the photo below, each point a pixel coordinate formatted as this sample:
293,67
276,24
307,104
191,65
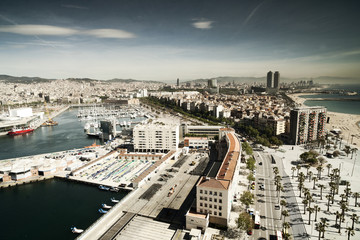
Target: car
262,187
277,207
249,232
260,163
252,187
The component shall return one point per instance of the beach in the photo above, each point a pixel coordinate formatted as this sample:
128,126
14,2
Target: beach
347,123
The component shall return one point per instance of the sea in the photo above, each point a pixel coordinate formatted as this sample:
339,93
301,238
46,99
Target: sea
349,107
48,209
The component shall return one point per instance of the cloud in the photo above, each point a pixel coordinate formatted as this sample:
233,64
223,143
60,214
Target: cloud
109,33
47,30
38,30
203,24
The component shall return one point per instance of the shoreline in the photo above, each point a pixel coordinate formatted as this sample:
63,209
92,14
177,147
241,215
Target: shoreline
349,124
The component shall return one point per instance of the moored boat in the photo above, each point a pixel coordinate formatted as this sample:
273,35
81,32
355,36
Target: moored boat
106,206
19,131
102,211
114,200
101,187
76,230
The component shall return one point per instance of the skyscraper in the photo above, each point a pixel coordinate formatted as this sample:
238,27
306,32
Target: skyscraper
276,79
307,124
178,82
269,79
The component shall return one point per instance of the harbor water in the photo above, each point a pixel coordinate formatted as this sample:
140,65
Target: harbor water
48,209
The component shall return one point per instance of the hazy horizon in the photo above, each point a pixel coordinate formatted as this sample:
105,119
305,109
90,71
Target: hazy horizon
161,40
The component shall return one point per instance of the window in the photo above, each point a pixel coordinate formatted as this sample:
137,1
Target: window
220,214
210,192
215,193
215,200
220,194
210,199
215,213
201,198
205,192
205,198
215,206
201,204
220,201
210,205
220,208
201,210
205,204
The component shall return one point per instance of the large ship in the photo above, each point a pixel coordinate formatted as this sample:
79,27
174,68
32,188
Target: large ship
19,131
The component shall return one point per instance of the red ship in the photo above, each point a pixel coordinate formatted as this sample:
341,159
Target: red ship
20,131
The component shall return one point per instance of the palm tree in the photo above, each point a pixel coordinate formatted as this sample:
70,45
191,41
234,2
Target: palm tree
338,216
276,170
328,197
285,213
319,227
283,204
286,225
319,169
328,167
293,170
356,195
321,186
354,219
347,150
310,210
305,202
347,192
349,232
315,180
317,209
325,224
344,208
310,175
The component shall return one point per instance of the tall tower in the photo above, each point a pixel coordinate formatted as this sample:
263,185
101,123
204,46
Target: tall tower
178,82
276,79
269,79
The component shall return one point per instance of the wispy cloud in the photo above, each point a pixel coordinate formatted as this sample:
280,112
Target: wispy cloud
203,24
109,33
74,6
47,30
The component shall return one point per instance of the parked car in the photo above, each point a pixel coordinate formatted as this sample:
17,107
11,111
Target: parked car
262,187
277,207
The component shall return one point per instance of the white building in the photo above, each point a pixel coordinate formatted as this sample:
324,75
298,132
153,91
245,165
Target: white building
196,142
156,137
21,112
214,195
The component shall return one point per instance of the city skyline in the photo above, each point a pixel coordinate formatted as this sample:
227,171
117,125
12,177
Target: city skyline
163,41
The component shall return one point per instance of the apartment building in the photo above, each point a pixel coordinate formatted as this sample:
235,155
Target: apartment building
196,142
156,137
307,124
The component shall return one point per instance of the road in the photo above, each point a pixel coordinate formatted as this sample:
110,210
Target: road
266,199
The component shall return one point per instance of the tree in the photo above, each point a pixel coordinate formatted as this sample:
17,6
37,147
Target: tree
298,167
283,204
310,210
305,202
317,209
251,177
315,180
353,150
321,227
349,232
307,169
247,198
320,169
356,195
310,175
344,208
329,166
285,213
354,219
276,170
286,226
347,150
329,198
321,186
337,217
245,222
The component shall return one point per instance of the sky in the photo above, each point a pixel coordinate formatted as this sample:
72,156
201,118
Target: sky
188,39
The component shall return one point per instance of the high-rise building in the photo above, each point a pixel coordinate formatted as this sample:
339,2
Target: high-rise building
307,124
178,82
276,79
269,79
212,83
